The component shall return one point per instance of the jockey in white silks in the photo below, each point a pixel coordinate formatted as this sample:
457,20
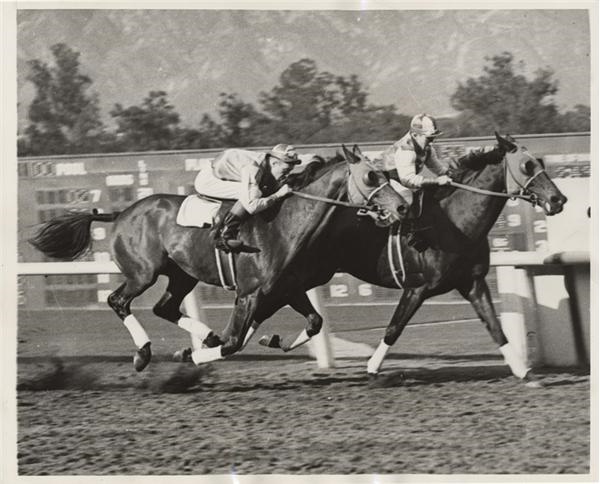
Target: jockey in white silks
408,155
238,174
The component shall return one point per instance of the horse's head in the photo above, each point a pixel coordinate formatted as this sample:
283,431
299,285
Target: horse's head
526,175
368,185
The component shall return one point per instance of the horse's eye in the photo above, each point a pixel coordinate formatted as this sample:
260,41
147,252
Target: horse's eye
528,167
370,178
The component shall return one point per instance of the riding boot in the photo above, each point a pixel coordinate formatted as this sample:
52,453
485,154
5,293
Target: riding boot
410,227
413,239
226,237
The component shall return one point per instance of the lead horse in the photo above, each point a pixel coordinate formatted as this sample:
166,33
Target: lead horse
454,226
147,242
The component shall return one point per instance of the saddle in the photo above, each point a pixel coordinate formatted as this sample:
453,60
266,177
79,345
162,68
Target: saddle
200,211
206,212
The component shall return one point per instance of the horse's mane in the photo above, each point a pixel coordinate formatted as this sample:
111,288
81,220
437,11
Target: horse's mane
477,160
313,171
468,166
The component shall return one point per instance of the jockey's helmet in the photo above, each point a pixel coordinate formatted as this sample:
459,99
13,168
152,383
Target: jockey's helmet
285,153
424,125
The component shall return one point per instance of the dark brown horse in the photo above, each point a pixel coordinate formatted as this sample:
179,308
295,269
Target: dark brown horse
147,242
454,226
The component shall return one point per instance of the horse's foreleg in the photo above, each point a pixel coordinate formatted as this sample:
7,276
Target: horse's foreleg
239,325
478,294
314,321
169,308
410,301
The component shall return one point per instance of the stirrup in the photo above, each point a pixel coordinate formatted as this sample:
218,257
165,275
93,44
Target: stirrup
229,245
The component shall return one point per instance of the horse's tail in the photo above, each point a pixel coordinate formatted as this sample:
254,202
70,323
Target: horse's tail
68,236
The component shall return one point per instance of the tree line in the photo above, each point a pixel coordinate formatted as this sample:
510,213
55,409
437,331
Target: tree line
306,106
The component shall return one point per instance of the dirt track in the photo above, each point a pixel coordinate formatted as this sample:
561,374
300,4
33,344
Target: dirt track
278,414
285,417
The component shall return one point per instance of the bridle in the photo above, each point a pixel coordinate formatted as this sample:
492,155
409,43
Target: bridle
364,208
521,192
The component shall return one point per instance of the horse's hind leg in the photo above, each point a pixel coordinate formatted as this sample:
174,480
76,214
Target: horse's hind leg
314,321
120,302
169,307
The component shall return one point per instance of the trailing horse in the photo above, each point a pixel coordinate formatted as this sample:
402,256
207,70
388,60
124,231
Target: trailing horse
454,226
147,242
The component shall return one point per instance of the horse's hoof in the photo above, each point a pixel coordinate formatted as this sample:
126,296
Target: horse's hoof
211,341
142,357
270,341
183,356
532,382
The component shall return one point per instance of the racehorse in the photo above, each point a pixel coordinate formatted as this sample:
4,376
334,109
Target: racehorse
454,225
147,242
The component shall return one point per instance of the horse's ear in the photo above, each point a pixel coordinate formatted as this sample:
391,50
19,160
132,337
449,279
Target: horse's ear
349,155
356,151
506,144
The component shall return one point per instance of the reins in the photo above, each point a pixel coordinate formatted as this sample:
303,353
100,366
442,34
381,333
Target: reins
489,192
364,207
529,198
331,200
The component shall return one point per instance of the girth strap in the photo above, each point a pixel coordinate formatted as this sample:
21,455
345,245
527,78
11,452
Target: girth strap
231,263
394,240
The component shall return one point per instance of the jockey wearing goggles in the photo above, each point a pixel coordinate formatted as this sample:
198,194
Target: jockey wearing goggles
410,153
248,177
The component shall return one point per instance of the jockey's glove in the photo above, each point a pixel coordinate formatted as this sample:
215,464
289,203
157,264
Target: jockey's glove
443,180
283,192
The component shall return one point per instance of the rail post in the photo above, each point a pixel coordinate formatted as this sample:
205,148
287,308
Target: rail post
320,344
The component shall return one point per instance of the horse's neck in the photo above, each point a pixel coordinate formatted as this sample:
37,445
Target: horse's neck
299,220
473,214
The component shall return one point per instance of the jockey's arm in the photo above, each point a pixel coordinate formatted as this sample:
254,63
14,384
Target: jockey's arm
405,162
435,165
250,195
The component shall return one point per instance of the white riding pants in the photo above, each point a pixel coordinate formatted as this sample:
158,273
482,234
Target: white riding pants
206,183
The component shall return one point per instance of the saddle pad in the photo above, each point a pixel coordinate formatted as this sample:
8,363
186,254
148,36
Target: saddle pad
197,212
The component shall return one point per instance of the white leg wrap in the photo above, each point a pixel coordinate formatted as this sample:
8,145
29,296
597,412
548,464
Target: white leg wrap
194,327
300,340
139,335
376,360
248,336
206,355
196,341
516,363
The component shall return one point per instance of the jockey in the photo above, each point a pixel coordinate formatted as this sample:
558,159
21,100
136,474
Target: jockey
410,153
242,175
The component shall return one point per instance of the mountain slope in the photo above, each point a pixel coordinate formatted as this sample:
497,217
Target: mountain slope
413,59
